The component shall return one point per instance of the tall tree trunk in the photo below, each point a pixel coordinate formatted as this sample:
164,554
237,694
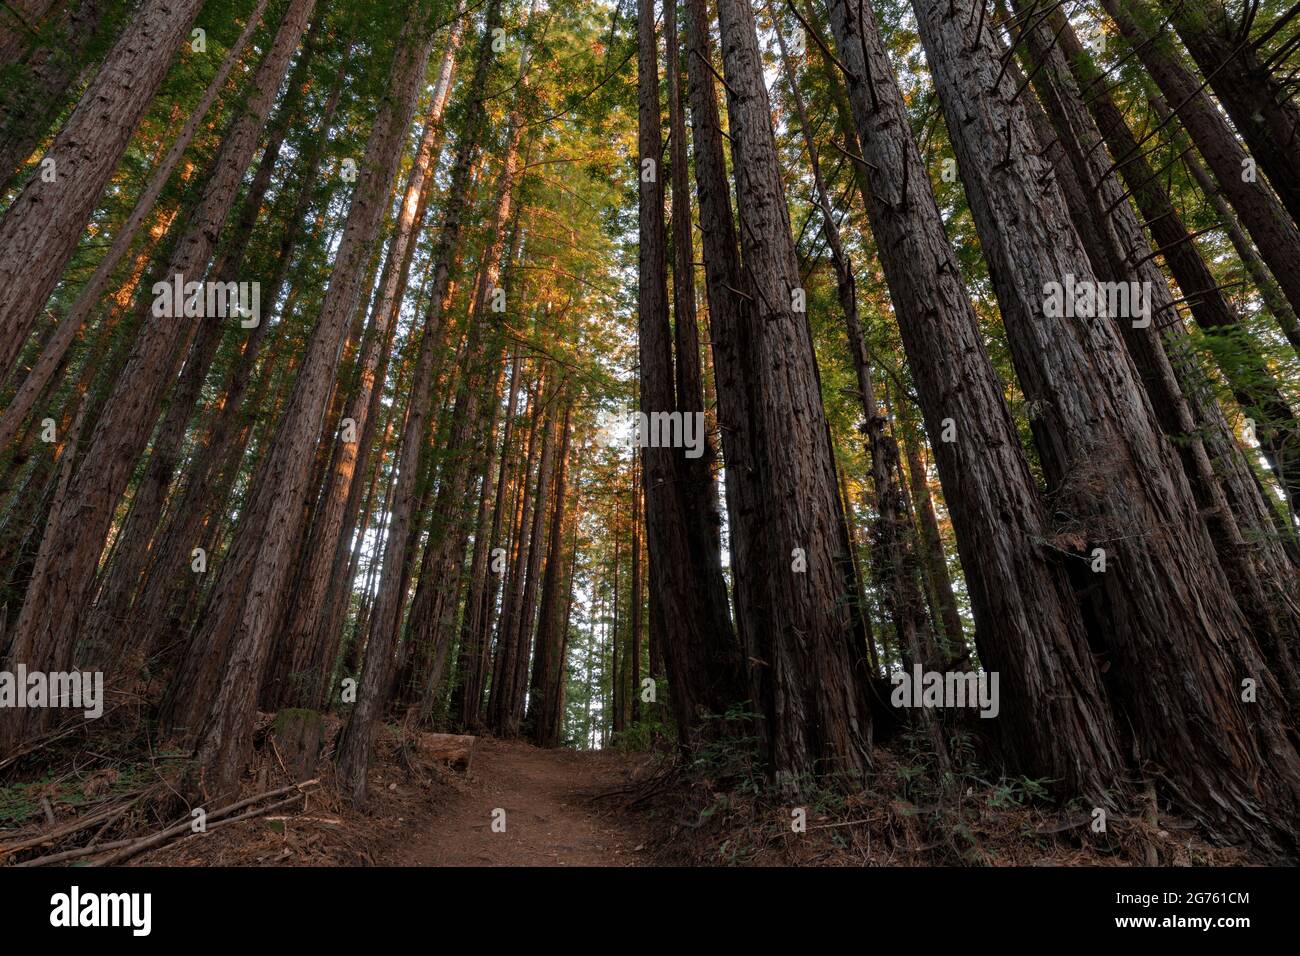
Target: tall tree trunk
470,653
954,638
437,595
327,541
273,522
546,472
433,611
1270,290
1225,488
324,641
560,689
618,661
483,592
896,563
731,328
132,545
635,637
1162,615
1251,381
1028,627
700,651
509,630
809,682
30,106
356,743
80,520
846,505
1263,215
92,292
41,228
702,495
1267,119
215,465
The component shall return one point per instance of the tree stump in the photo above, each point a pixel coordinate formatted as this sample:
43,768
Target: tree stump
454,750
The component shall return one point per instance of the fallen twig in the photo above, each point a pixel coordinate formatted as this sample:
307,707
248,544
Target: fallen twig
52,836
246,815
329,821
73,854
163,836
846,823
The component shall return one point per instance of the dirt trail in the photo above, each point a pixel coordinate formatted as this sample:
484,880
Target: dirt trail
550,816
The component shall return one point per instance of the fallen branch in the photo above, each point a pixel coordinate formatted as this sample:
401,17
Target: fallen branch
73,826
58,733
329,821
163,836
846,823
247,815
74,854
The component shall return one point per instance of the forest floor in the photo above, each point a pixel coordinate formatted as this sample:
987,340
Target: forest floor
559,808
553,815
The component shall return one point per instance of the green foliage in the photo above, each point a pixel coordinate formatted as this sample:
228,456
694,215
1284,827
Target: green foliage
1019,791
19,802
726,752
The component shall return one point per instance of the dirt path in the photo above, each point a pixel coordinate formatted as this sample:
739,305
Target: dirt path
550,816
